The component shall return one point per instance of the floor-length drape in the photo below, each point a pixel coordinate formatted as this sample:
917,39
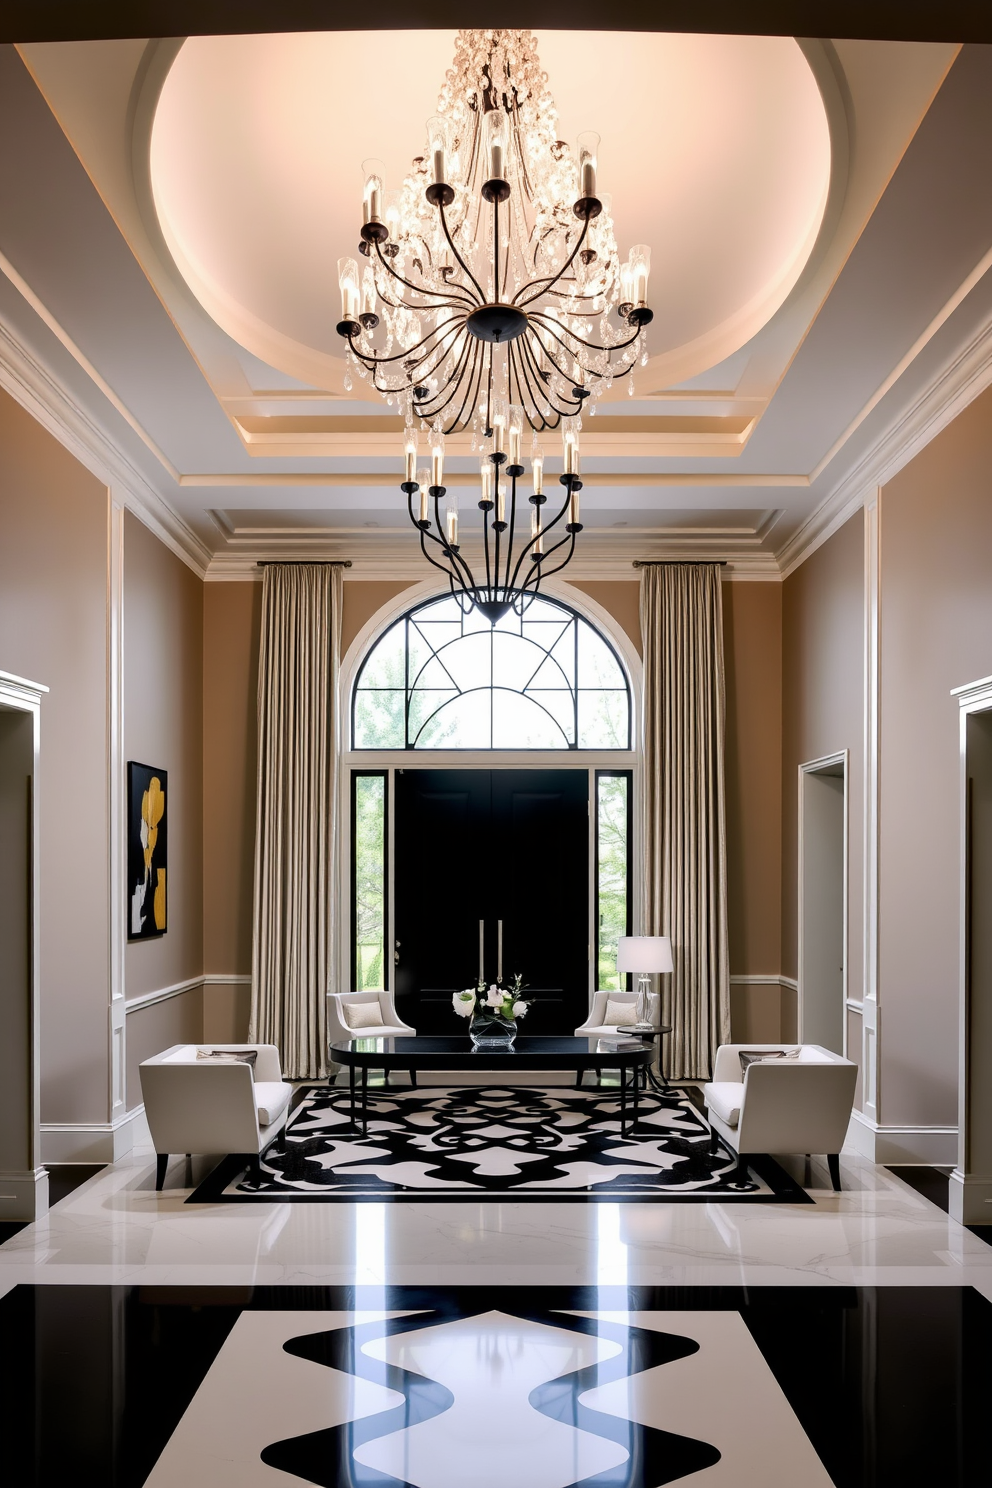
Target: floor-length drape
685,855
293,926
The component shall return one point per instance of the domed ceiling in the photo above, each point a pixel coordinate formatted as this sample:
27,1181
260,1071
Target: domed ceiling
715,149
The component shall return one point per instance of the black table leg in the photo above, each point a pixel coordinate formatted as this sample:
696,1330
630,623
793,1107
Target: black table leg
351,1086
365,1100
623,1101
637,1091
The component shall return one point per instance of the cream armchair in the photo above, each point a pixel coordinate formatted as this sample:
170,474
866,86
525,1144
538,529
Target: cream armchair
206,1105
341,1028
781,1105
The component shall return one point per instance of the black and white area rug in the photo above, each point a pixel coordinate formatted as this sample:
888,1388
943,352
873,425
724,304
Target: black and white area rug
519,1142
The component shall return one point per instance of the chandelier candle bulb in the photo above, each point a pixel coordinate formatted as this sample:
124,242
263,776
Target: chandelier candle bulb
348,283
437,461
451,516
372,194
410,450
588,150
499,426
640,267
537,467
438,145
515,429
486,474
573,509
424,505
494,125
570,446
501,506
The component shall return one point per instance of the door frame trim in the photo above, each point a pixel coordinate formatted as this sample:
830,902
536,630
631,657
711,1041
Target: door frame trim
391,760
825,764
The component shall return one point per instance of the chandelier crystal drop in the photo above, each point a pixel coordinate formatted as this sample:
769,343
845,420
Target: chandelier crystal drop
488,295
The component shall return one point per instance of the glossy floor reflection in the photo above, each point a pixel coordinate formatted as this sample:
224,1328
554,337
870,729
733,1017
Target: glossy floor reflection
531,1387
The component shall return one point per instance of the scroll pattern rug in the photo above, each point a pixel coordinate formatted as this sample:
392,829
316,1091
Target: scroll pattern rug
520,1143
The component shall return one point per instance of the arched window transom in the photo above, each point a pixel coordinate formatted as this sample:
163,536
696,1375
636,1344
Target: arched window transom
438,679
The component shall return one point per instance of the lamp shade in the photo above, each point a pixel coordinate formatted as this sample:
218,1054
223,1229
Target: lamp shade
644,953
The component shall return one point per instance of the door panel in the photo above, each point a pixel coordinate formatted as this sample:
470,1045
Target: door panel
492,845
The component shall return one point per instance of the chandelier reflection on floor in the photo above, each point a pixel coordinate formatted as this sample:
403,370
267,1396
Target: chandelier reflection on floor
493,296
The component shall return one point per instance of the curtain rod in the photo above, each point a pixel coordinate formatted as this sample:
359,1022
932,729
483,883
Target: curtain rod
303,562
677,562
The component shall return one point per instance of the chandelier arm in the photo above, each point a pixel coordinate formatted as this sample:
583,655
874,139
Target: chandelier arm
549,281
569,538
489,389
476,360
563,406
422,374
374,360
496,534
546,422
456,560
496,251
400,279
541,318
458,258
485,546
509,537
430,408
525,393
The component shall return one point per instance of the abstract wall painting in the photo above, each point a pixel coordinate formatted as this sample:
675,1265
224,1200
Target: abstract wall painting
147,851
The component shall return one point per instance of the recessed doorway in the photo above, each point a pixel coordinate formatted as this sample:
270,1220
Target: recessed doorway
823,902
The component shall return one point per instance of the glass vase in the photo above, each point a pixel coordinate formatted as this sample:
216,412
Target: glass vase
489,1029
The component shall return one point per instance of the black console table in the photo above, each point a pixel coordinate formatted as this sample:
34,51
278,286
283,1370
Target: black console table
457,1054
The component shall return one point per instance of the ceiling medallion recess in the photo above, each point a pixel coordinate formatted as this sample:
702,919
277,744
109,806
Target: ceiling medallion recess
494,281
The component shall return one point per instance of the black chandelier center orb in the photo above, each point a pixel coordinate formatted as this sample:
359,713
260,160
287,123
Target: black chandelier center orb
496,323
492,298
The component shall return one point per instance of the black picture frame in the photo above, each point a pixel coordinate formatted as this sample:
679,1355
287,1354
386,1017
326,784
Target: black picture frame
147,907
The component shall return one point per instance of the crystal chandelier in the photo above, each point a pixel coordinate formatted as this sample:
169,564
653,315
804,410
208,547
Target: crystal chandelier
495,286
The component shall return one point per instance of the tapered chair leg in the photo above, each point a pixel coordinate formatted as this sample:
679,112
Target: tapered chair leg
255,1169
740,1174
161,1163
833,1163
714,1140
413,1078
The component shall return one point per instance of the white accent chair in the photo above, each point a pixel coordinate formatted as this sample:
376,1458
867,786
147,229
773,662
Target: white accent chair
594,1026
211,1106
339,1030
781,1105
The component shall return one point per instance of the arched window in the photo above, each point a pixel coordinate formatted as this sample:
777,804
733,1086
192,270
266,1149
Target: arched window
438,679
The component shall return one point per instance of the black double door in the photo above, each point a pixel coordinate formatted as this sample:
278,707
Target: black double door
480,848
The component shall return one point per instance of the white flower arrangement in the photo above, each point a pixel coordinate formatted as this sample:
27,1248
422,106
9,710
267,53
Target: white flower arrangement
505,1001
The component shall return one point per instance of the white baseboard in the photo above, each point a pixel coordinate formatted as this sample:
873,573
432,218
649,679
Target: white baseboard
969,1199
23,1194
935,1146
93,1141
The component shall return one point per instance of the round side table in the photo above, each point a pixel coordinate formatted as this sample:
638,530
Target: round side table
646,1075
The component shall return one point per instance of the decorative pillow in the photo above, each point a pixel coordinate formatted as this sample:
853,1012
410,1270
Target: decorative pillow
758,1056
230,1056
620,1014
362,1014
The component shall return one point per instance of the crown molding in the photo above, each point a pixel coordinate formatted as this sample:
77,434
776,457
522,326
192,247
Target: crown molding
31,384
393,555
965,374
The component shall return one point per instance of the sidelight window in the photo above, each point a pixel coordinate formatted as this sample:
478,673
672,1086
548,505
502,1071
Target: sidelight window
441,679
613,876
369,882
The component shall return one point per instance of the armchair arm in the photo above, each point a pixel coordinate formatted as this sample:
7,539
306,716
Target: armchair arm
597,1012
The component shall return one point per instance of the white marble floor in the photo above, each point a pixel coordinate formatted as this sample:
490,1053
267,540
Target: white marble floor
116,1229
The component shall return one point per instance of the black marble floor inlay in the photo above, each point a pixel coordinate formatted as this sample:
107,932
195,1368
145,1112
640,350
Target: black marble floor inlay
521,1142
123,1386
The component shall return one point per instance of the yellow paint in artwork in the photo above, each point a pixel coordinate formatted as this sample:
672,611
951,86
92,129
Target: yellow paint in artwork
158,904
152,811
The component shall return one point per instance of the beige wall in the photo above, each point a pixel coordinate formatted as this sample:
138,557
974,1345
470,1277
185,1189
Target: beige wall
178,1020
823,712
231,616
163,726
53,629
936,633
621,599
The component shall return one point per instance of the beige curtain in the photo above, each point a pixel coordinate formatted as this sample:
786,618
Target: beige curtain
293,929
685,855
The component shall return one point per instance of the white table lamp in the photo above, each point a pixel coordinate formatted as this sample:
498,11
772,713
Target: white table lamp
643,955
